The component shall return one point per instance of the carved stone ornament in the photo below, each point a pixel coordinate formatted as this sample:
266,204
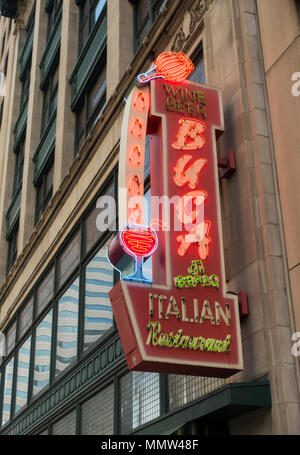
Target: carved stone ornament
197,12
179,41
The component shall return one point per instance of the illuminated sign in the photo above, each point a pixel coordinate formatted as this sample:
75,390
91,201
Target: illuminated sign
183,322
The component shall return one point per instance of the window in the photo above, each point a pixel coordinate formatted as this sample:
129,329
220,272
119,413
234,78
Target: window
68,259
41,373
1,112
8,384
66,425
50,97
97,413
44,191
98,316
67,327
140,399
23,375
198,75
184,389
53,15
25,319
145,13
11,338
19,163
45,292
91,107
12,247
90,11
25,83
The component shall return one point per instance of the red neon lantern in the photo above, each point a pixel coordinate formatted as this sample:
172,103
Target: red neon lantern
172,66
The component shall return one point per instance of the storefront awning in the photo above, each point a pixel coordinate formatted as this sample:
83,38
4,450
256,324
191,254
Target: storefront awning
228,401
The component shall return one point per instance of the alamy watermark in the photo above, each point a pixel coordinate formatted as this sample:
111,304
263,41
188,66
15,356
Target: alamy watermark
295,348
188,212
296,86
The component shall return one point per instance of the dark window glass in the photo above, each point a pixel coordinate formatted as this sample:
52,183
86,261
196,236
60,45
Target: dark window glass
99,280
145,12
91,231
23,375
44,191
25,83
198,75
50,98
90,11
53,14
45,291
68,259
91,107
19,164
97,413
41,373
67,327
1,112
12,248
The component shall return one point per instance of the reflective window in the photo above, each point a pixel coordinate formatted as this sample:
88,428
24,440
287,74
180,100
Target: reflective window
67,327
42,354
23,375
98,317
8,380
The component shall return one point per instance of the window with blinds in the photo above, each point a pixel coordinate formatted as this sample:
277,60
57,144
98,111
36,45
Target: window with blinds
97,413
25,320
66,425
68,259
11,338
91,231
45,292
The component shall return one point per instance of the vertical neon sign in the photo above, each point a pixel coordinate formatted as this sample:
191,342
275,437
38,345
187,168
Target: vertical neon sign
184,322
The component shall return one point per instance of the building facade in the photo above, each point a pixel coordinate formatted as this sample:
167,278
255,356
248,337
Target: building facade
66,68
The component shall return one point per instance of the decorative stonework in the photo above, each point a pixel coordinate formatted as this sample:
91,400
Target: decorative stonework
197,12
179,41
196,15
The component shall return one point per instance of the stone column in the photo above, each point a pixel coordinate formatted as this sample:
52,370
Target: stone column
65,119
119,41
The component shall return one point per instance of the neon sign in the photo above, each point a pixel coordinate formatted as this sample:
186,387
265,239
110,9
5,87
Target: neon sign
172,66
184,321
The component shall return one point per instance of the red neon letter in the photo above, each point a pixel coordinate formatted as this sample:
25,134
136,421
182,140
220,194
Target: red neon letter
189,135
191,175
